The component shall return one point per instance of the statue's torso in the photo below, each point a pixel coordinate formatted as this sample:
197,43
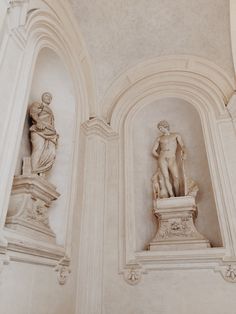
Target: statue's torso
43,114
168,145
46,115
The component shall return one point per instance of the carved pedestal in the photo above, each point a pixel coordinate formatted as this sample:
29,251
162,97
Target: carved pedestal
28,209
176,228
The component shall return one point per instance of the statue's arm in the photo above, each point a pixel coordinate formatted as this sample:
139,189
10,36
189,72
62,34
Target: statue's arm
34,111
155,147
181,144
34,114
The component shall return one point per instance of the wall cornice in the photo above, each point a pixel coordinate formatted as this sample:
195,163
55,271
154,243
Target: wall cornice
99,127
192,73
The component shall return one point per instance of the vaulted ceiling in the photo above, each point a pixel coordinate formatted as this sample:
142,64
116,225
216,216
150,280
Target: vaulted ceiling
121,33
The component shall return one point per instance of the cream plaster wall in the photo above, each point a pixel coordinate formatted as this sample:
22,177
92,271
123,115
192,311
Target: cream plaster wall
96,284
120,34
184,119
33,289
166,292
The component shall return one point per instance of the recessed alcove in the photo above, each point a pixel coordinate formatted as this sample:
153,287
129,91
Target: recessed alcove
184,119
50,75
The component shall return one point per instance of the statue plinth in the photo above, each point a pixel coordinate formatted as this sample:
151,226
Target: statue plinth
28,208
176,228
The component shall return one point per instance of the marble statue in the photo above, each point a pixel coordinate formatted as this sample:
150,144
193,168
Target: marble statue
32,193
167,179
174,196
43,136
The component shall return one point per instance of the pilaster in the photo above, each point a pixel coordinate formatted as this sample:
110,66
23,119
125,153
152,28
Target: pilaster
227,129
13,14
98,136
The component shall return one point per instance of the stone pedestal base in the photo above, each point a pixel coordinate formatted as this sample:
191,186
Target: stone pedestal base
176,228
28,208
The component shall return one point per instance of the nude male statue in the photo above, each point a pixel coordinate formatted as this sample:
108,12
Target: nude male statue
165,150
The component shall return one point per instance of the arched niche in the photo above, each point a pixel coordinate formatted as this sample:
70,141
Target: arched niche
184,119
205,88
51,75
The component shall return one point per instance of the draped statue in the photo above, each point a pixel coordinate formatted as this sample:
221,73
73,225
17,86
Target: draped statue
43,136
32,193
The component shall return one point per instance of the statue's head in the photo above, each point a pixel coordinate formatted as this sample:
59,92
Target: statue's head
47,98
163,126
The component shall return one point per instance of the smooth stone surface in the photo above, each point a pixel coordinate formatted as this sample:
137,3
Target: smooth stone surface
176,225
30,200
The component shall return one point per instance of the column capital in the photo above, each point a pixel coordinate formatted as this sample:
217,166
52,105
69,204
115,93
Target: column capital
17,11
13,3
97,126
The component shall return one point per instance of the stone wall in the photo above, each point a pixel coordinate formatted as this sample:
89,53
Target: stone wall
103,220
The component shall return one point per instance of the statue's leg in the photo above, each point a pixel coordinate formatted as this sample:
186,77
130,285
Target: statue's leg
165,172
175,174
163,189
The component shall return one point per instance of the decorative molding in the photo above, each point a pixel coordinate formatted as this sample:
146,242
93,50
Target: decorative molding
17,10
168,73
133,275
179,259
230,273
4,260
29,204
231,106
3,243
13,3
231,109
63,270
24,249
176,225
207,88
97,126
19,36
227,271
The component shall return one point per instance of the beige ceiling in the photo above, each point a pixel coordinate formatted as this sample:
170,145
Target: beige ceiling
121,33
